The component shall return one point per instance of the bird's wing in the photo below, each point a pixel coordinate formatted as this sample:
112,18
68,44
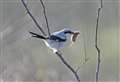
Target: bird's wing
59,34
57,38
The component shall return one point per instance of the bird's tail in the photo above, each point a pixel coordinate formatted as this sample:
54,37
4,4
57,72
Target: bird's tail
37,36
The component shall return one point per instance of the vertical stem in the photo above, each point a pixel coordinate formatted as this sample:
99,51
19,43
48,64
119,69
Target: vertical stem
85,53
96,43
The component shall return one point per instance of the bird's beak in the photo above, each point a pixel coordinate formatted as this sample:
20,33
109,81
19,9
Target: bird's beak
75,35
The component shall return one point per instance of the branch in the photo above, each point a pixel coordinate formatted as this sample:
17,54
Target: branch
44,12
68,66
86,59
34,20
85,52
96,42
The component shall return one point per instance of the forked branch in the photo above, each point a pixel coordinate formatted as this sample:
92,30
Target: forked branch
44,12
96,42
34,20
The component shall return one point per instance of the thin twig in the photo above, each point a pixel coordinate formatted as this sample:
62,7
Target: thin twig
85,55
96,43
68,66
85,52
44,11
85,61
36,23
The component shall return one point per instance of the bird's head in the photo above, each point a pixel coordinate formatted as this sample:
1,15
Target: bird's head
74,34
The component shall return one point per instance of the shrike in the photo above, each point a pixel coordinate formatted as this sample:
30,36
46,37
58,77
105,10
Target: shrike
58,40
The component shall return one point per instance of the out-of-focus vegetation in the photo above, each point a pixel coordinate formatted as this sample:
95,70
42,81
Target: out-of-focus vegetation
24,58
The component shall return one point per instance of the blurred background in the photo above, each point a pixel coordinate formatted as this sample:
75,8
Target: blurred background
24,58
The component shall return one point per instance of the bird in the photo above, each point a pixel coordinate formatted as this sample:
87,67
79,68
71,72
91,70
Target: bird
59,39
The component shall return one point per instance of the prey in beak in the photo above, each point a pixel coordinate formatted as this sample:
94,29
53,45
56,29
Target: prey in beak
74,36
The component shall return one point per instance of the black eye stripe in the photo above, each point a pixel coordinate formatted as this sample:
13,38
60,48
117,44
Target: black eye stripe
56,38
67,32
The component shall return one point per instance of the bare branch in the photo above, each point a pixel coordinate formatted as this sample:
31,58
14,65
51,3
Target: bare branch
44,12
96,42
83,63
68,66
101,4
36,23
85,52
86,59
